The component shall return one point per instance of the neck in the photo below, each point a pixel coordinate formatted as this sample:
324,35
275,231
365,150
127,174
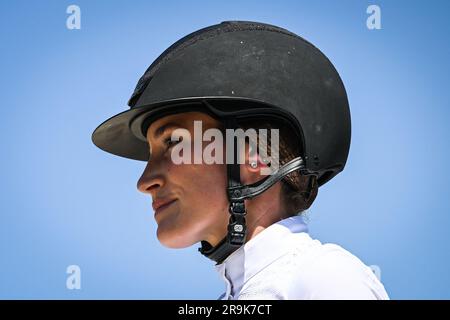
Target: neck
263,211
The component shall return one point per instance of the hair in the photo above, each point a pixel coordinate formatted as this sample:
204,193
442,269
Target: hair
298,191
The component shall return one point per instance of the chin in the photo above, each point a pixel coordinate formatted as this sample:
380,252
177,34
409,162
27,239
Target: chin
173,240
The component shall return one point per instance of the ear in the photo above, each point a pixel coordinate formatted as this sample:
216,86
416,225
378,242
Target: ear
253,161
251,168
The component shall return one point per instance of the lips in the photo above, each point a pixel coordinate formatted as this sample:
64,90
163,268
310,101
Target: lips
160,204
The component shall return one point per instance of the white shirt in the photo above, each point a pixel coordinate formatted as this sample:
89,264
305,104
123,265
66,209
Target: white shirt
284,262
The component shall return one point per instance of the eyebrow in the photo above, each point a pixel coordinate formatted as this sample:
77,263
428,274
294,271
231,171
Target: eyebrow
160,130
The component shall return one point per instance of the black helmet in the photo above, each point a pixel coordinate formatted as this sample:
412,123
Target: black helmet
236,70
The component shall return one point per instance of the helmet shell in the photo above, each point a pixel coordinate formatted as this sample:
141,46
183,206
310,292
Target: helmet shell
244,69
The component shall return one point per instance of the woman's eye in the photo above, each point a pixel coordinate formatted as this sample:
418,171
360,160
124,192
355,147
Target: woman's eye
168,142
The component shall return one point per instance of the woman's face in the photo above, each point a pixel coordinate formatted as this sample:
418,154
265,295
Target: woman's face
199,210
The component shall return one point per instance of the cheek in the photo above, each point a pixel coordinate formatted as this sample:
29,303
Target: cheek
208,198
212,177
205,185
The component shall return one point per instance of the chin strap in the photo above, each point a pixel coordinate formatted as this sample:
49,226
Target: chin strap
237,193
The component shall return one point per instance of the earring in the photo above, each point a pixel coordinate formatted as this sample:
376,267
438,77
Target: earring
253,164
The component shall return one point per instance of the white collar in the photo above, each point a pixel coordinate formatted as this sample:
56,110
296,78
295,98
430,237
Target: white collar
260,251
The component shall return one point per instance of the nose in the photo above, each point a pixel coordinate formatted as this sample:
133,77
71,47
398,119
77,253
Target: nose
150,181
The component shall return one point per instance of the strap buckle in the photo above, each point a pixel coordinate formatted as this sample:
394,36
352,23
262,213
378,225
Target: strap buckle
237,229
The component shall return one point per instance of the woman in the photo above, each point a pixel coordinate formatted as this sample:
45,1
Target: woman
243,203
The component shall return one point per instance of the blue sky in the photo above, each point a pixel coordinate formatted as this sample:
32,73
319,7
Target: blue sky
65,202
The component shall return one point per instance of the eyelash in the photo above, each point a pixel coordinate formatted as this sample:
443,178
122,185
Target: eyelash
168,142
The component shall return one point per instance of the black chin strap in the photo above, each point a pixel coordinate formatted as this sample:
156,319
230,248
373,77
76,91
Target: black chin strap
237,193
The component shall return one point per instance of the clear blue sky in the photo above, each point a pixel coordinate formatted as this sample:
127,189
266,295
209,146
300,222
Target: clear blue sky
63,201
